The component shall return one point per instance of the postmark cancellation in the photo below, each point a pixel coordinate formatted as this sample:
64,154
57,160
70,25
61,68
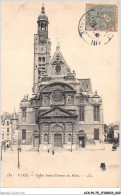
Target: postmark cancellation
98,24
101,18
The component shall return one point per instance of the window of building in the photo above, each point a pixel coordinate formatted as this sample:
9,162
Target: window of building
43,59
69,138
7,122
39,58
7,129
81,116
2,136
42,26
45,137
96,134
23,134
45,26
96,113
24,112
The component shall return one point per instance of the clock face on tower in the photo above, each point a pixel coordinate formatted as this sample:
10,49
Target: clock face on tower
42,49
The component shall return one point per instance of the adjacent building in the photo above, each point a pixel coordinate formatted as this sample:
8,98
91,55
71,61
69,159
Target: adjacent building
9,129
64,111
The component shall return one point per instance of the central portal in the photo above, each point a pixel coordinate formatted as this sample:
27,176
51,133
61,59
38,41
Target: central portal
57,140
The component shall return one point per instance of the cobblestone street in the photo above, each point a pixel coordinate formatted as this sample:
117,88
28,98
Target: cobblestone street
63,169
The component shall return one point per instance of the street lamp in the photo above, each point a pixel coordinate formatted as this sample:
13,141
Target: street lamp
19,149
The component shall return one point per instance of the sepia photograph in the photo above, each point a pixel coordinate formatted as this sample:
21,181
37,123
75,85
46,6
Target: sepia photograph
60,94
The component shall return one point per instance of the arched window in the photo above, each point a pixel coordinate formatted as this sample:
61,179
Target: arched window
96,113
45,137
69,138
24,112
81,115
96,134
42,26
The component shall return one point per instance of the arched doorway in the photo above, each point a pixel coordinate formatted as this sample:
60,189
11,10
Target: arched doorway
36,138
57,140
57,136
81,138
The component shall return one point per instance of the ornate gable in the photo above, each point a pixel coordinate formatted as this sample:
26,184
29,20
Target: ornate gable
58,66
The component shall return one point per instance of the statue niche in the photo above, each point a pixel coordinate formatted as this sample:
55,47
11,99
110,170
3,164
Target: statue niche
45,101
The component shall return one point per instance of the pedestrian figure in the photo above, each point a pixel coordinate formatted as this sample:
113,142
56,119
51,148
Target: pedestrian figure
53,152
103,166
48,150
7,146
114,147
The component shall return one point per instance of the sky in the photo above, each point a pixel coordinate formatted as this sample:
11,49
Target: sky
18,26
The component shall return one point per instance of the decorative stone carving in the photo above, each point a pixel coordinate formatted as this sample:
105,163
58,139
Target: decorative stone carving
57,96
81,100
57,129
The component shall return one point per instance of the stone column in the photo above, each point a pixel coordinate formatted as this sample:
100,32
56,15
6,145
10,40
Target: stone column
39,133
64,133
48,133
72,135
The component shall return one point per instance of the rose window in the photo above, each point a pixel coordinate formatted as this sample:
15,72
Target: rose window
58,69
57,96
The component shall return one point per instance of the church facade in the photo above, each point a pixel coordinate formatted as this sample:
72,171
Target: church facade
64,111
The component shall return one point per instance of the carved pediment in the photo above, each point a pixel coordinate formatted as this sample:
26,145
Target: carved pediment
82,100
95,100
57,112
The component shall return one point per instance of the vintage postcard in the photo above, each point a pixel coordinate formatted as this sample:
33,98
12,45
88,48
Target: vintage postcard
60,94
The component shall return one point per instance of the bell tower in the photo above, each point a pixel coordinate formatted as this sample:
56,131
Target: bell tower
43,24
42,50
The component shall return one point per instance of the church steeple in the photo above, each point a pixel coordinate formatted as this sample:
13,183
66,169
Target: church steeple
42,49
43,9
43,24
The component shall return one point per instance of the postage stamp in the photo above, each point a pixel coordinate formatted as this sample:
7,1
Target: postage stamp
101,17
98,24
